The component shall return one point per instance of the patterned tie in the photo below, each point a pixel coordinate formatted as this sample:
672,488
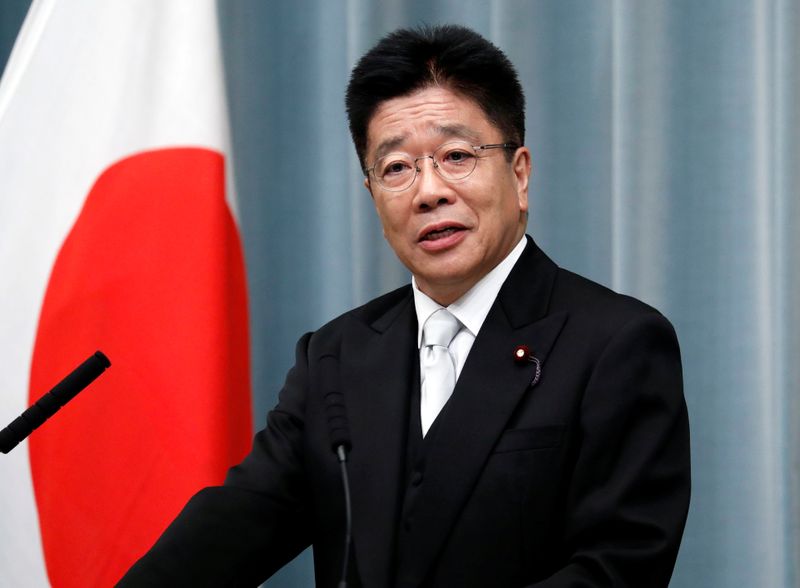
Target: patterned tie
438,368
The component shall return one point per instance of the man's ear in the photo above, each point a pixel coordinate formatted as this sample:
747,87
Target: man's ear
368,187
521,166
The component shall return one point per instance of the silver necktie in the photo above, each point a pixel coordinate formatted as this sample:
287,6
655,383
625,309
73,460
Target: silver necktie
437,366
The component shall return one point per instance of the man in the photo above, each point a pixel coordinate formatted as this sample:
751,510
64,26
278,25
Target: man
559,459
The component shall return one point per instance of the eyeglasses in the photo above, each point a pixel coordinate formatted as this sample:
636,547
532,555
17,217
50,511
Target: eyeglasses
452,161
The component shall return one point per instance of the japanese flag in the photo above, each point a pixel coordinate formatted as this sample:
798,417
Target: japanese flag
118,232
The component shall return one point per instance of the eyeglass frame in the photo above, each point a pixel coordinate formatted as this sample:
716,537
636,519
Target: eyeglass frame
418,169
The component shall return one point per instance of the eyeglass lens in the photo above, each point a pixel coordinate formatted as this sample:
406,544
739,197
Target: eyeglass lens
452,161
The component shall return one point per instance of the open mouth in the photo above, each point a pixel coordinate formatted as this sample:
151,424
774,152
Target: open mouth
442,233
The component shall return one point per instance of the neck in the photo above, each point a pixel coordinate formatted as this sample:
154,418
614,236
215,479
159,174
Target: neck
445,296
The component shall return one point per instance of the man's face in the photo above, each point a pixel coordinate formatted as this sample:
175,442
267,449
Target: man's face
448,233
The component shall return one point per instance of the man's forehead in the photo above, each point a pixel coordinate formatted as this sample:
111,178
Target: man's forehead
435,112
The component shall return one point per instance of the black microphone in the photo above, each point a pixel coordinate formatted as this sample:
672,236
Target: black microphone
50,403
339,429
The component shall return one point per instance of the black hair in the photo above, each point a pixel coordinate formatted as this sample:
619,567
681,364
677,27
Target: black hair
450,56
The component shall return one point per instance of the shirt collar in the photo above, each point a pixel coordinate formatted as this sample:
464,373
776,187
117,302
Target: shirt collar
471,309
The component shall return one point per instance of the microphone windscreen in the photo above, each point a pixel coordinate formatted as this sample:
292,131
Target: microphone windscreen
50,403
335,411
68,388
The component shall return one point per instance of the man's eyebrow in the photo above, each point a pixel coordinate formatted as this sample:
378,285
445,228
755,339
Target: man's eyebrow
450,131
458,131
389,145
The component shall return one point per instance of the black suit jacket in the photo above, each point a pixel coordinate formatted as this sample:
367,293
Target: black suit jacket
579,479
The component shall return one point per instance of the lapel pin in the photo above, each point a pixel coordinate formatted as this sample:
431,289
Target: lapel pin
523,354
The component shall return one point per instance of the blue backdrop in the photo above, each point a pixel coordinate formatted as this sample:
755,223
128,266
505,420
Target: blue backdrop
666,149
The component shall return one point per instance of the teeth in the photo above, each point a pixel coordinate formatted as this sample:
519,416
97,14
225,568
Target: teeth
440,234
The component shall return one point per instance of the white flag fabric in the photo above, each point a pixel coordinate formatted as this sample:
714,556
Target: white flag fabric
118,233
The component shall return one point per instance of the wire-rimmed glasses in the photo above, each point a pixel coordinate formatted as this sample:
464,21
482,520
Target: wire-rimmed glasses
453,161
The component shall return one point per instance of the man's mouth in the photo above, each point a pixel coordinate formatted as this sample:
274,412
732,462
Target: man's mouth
442,233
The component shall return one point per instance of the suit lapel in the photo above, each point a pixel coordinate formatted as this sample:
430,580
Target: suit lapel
380,354
489,388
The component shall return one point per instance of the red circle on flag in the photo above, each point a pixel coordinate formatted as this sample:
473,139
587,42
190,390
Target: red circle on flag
152,274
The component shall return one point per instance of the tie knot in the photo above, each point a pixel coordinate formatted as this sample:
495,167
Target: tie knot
440,328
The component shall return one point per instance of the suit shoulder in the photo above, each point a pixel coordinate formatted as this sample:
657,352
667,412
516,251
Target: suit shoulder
597,317
594,302
382,309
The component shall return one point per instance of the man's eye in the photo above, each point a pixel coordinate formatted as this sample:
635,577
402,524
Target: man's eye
456,157
395,167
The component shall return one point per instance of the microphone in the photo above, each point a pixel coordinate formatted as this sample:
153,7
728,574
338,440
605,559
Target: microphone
50,403
339,430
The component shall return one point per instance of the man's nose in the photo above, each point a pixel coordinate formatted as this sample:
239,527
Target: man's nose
432,189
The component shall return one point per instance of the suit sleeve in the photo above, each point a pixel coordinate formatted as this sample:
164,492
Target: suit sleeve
629,492
240,533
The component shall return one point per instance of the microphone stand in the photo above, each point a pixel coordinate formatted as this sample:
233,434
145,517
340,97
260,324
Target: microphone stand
341,453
